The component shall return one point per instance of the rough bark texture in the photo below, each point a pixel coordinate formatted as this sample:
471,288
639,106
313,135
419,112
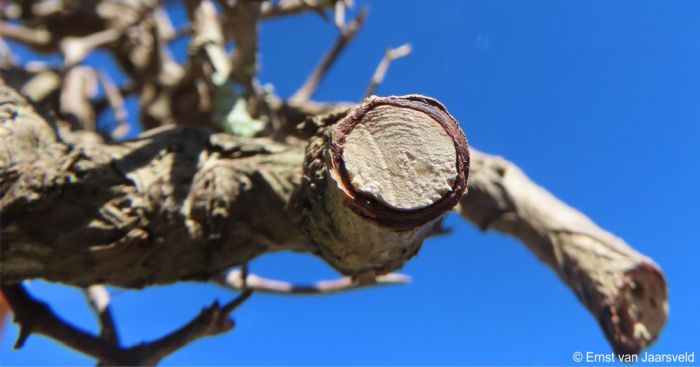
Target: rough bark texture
623,289
182,203
175,204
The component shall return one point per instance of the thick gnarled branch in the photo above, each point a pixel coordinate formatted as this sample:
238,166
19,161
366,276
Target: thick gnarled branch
185,204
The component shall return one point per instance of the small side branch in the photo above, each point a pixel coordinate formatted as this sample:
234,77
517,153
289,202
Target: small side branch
98,298
237,280
76,49
292,7
380,72
116,101
347,34
37,38
34,316
213,320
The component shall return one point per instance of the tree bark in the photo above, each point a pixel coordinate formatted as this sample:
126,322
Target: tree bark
624,290
183,203
175,204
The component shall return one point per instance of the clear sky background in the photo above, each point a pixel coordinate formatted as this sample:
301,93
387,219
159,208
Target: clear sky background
598,101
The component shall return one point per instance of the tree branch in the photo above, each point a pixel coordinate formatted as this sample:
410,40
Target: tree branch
307,90
292,7
383,67
186,204
34,316
623,289
98,298
211,321
192,204
204,192
236,280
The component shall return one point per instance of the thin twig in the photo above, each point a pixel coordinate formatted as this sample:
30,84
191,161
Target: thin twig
380,72
36,38
304,93
116,101
34,316
98,298
78,88
339,13
236,280
6,56
211,321
166,31
293,7
75,49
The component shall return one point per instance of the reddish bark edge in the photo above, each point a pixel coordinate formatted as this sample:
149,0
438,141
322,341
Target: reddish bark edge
371,208
615,319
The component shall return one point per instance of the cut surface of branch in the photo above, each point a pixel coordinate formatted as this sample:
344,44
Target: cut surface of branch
401,157
356,231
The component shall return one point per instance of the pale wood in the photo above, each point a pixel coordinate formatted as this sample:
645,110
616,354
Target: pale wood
401,157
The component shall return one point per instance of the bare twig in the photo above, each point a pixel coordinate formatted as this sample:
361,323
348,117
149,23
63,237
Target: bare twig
98,298
78,88
6,57
307,90
213,320
339,14
292,7
75,49
34,316
166,31
116,101
36,38
383,66
237,280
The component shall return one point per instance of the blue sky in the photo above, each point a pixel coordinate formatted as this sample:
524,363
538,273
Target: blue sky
598,101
